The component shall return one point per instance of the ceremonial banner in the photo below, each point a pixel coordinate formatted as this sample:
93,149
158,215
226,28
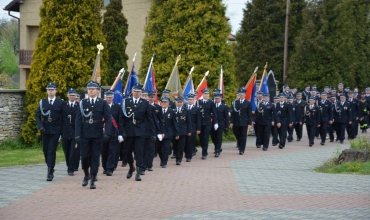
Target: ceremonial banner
189,86
174,84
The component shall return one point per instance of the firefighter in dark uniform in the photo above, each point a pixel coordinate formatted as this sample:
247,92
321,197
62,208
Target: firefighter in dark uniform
340,91
306,93
196,120
255,125
151,144
166,93
343,116
286,91
91,116
184,126
70,148
218,91
170,130
138,118
295,118
300,103
117,134
352,129
312,118
363,113
274,131
241,120
332,128
49,116
265,116
326,116
222,112
284,119
208,113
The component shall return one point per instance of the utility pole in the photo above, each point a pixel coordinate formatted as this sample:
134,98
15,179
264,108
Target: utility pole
286,42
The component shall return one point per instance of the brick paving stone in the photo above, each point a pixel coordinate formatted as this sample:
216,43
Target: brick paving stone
216,188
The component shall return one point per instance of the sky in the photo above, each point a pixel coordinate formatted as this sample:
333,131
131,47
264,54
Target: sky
234,12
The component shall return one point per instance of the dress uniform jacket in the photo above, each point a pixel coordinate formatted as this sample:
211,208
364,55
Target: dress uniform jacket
207,108
284,112
196,118
183,121
312,116
117,114
343,112
222,116
266,114
169,123
52,123
92,127
325,110
138,118
241,113
69,119
300,108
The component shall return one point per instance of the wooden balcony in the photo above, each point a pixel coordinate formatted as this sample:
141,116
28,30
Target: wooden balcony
25,58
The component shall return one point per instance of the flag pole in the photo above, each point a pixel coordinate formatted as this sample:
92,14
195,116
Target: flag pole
97,60
254,73
264,73
147,74
177,60
129,75
189,75
204,77
121,72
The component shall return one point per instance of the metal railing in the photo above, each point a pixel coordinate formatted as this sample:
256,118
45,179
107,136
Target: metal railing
25,57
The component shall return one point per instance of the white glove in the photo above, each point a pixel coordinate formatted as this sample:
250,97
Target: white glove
159,137
215,126
60,138
120,138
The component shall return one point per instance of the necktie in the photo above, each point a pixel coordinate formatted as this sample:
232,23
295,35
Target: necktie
92,101
70,104
135,101
51,102
164,111
310,106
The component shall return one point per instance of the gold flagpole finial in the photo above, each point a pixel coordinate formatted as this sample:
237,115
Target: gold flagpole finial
266,65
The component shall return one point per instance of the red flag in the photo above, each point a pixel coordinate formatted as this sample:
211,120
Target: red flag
202,85
249,87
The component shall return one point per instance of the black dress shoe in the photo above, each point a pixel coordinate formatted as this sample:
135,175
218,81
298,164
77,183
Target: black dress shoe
341,142
130,171
290,141
104,172
241,153
258,146
264,149
164,166
138,172
48,175
217,154
109,173
298,139
322,143
173,157
331,140
310,145
203,157
188,160
124,165
274,144
178,163
70,173
220,150
92,182
281,146
85,181
142,172
150,169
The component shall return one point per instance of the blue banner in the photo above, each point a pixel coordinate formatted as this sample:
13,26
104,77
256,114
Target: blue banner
131,81
118,92
254,97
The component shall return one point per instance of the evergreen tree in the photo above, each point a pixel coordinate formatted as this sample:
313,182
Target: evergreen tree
115,28
333,45
64,52
197,30
261,36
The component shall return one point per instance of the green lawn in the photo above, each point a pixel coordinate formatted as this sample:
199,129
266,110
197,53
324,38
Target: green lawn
21,157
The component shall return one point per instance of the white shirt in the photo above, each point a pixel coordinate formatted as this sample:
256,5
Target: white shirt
164,110
71,104
190,107
241,100
136,100
52,100
110,105
92,99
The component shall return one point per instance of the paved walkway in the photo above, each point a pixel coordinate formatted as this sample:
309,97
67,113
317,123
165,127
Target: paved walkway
277,184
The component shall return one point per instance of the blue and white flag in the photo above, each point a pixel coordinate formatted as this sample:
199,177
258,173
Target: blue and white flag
118,92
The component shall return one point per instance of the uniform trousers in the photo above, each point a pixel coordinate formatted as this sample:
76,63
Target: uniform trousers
216,136
204,138
135,144
149,150
190,145
90,153
50,144
264,134
109,154
283,131
164,149
240,133
71,153
323,130
311,132
298,130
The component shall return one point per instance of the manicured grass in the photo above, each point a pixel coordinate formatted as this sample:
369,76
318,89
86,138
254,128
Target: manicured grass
21,157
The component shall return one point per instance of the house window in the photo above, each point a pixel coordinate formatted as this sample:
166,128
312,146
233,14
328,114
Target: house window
106,2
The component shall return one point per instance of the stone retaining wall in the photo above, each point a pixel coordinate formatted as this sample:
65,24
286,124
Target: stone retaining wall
11,112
